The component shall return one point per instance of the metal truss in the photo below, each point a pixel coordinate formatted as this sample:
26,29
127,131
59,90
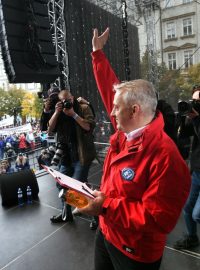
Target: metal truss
112,6
115,7
58,29
149,8
136,9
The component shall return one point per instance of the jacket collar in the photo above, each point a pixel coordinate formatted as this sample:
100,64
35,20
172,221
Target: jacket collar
148,134
118,139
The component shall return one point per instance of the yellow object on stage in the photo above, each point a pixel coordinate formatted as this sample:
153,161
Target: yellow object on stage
76,199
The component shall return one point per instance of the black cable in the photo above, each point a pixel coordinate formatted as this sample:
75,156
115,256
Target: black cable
161,12
188,59
125,40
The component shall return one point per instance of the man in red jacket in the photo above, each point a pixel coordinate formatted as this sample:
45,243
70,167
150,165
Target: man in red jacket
145,181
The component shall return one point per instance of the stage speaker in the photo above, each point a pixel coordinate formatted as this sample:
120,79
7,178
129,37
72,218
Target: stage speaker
26,42
9,184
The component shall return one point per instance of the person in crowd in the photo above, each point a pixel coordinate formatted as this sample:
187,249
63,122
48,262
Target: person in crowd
43,139
10,139
145,181
22,162
190,126
46,156
74,124
5,167
2,146
9,151
15,143
30,139
22,143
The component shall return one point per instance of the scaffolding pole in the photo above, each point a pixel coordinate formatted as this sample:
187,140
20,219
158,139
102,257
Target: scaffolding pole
58,30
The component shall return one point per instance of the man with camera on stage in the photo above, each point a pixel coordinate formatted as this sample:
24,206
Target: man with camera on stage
145,181
190,126
74,123
49,107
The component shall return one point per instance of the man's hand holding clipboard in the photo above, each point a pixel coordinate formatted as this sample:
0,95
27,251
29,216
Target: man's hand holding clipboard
95,198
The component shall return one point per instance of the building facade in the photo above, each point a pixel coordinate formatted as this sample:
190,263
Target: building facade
180,25
177,25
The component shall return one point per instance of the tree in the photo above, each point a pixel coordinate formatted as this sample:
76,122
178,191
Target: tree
194,74
10,102
3,102
166,87
27,104
37,106
144,65
14,98
187,81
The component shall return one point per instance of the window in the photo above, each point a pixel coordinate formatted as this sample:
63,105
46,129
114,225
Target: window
188,58
172,60
171,30
187,27
187,1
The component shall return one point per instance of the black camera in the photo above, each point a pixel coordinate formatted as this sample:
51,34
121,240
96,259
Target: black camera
185,107
67,104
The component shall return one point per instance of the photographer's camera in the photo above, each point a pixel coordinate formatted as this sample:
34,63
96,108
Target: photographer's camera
67,104
185,107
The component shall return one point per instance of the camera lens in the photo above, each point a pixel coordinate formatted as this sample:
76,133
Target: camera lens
67,104
184,107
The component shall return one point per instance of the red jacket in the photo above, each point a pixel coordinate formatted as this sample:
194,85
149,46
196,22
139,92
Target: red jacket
146,182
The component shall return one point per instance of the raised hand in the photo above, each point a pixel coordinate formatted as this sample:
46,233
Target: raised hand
98,42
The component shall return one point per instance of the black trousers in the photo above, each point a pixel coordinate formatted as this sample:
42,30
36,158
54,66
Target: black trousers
108,257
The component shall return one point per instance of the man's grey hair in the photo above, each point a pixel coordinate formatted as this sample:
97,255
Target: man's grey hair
140,92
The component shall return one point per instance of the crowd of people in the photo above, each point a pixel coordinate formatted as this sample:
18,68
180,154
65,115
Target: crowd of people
11,145
21,163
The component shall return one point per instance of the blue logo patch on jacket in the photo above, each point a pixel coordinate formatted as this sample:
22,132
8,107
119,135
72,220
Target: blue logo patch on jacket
127,174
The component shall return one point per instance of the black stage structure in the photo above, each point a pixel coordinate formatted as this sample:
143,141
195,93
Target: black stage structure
81,17
26,42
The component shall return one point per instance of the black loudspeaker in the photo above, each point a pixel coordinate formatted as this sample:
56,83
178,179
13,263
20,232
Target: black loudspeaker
9,184
26,42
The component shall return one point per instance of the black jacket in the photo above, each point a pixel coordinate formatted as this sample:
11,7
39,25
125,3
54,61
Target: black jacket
169,118
191,127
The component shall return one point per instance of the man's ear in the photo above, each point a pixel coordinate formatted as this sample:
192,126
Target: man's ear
135,108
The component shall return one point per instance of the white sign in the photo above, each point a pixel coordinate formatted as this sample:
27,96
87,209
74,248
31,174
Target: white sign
20,129
7,122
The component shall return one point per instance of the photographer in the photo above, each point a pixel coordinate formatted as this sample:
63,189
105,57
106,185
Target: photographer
190,126
46,156
49,107
74,124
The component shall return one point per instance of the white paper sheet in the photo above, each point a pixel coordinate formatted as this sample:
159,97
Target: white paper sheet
68,182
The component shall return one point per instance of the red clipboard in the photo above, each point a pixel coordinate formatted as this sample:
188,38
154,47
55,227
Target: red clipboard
69,182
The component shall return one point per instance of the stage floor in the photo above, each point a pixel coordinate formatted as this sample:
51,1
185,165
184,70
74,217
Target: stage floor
28,241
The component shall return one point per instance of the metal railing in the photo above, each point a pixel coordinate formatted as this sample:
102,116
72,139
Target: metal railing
101,149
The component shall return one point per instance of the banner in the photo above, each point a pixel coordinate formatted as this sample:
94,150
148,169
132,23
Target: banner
7,122
20,129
